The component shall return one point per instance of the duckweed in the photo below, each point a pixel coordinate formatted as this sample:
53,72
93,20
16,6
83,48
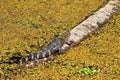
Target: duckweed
30,25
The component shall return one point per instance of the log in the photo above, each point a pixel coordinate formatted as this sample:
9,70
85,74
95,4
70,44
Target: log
92,23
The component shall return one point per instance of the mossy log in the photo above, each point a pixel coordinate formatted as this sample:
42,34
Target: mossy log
92,23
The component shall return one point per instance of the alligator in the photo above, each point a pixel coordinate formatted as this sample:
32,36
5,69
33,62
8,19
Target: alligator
53,48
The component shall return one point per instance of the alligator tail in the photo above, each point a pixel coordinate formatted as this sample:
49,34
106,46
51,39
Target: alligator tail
37,55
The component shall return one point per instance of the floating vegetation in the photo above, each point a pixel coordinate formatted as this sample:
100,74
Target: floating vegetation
30,25
88,71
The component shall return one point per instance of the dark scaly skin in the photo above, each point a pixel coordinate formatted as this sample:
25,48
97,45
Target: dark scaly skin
53,48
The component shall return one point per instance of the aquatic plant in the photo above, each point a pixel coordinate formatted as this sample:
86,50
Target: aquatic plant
88,71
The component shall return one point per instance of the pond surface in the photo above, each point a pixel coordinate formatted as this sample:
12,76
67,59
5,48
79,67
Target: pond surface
30,25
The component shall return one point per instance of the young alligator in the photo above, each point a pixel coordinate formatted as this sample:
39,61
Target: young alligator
53,48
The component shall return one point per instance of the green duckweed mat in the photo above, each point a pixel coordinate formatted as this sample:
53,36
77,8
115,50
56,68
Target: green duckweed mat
30,25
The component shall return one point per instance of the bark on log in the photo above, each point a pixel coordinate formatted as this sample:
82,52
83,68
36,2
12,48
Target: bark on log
92,23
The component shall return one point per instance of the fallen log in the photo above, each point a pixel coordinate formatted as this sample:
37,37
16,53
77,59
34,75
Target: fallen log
92,23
